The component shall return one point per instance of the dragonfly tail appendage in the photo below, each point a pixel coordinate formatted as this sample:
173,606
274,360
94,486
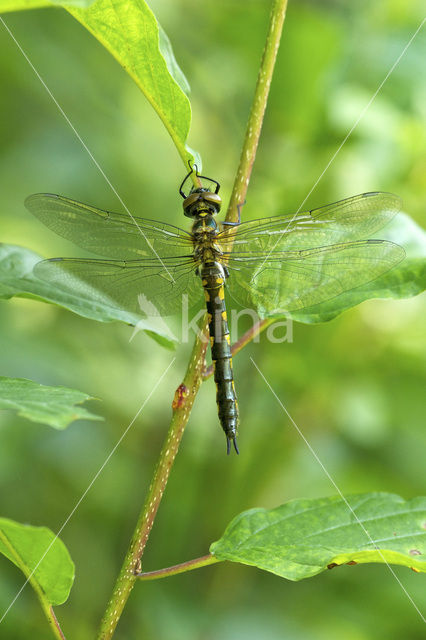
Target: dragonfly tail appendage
228,445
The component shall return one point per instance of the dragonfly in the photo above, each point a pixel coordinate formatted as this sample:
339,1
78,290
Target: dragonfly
276,265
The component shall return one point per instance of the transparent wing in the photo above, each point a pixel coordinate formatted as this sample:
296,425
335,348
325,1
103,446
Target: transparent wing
347,220
114,235
139,286
292,280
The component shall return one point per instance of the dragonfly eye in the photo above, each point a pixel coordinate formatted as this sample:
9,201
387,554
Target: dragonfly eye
201,202
190,200
214,198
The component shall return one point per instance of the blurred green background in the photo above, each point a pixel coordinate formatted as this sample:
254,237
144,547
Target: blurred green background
354,386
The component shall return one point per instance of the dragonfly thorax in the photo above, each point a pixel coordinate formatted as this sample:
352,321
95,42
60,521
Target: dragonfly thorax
206,248
204,228
201,203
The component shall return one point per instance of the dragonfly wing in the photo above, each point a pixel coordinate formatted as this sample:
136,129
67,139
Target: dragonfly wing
347,220
294,280
105,233
136,286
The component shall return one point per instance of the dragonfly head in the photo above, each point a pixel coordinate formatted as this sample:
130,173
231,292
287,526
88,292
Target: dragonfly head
201,202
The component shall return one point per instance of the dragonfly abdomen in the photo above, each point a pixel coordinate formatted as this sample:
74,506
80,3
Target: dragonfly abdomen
213,279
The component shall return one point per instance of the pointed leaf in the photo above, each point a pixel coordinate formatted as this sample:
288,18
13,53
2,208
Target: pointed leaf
131,33
129,30
41,556
21,5
17,279
303,537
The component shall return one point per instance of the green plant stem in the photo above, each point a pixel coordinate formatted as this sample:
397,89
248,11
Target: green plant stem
182,405
185,394
55,624
197,563
254,125
49,613
248,336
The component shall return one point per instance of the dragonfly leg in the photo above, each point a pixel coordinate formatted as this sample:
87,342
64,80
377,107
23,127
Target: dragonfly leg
239,207
235,224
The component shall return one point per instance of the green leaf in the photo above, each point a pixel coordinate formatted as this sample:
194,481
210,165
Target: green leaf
21,5
37,551
303,537
129,30
405,280
17,279
54,406
13,5
131,33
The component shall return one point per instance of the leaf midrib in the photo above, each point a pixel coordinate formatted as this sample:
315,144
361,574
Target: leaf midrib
339,526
